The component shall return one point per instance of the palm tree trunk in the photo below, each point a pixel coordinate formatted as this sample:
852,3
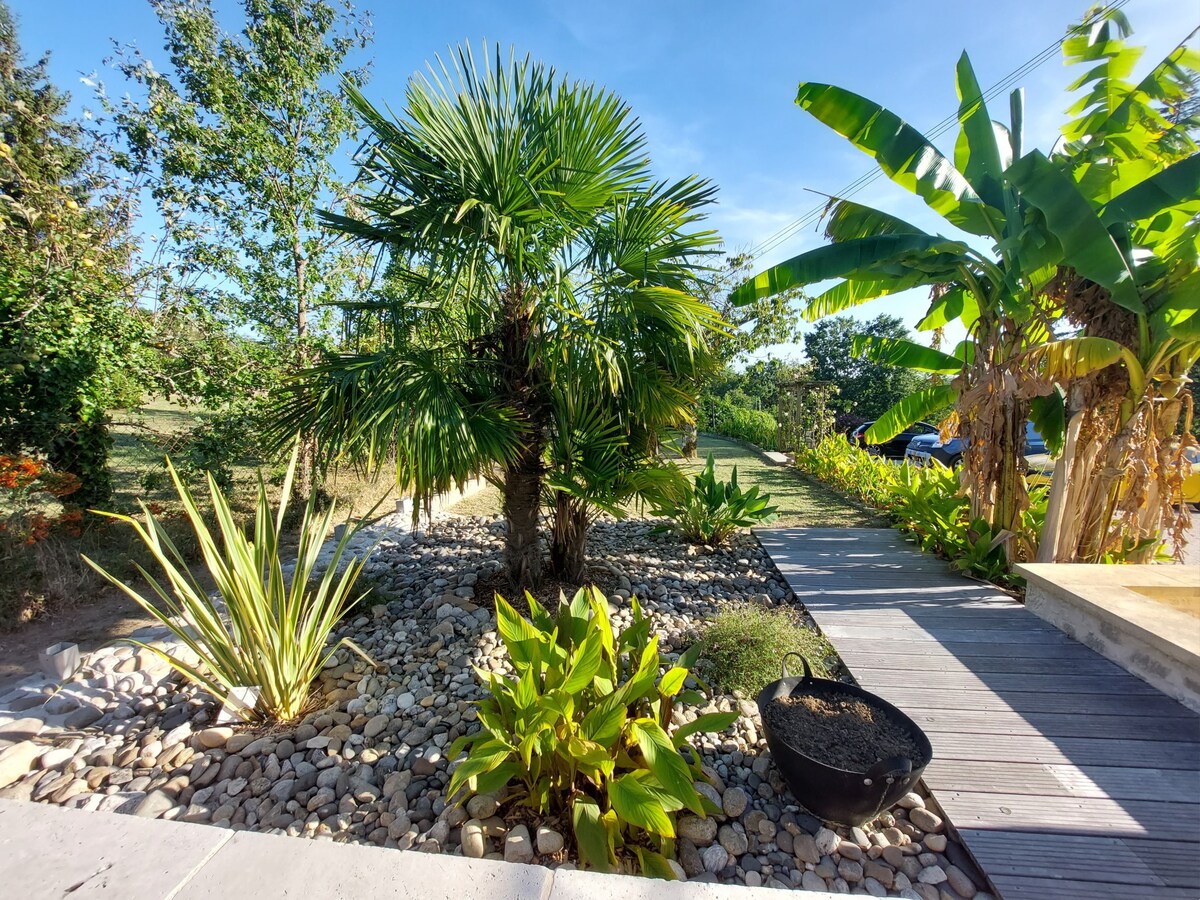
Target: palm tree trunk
522,500
568,547
525,388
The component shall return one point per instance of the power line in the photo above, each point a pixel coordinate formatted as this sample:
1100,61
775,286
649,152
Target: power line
1004,84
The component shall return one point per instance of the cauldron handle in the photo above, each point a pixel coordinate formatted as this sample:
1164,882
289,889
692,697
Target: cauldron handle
804,662
889,770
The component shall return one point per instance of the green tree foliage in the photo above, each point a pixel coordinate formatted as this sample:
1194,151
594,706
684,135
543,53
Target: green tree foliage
866,388
238,143
535,251
66,320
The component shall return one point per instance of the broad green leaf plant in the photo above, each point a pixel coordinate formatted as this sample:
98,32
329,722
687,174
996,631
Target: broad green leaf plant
708,510
583,729
267,630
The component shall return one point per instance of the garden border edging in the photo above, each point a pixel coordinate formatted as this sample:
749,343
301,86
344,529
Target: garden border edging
50,851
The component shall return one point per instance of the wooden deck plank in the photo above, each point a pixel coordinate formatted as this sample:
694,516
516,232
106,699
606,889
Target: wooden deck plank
1025,888
1066,776
969,650
1073,815
1040,749
856,658
969,682
1058,857
1061,779
1033,701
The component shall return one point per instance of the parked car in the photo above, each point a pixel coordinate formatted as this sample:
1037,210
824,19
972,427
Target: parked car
1191,483
893,449
925,447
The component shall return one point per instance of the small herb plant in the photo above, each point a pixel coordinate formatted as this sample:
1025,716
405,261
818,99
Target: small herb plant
708,510
744,646
583,730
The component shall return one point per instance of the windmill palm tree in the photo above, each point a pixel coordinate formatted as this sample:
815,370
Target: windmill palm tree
498,193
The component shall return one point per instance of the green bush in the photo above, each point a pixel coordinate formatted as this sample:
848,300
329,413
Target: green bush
708,510
272,631
928,503
582,731
744,646
751,425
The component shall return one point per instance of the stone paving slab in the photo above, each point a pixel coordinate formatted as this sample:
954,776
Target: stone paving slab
51,852
47,851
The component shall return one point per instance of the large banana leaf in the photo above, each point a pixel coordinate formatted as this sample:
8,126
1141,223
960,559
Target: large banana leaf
1074,357
849,220
977,153
957,303
847,294
914,407
861,257
1174,185
905,354
1086,244
903,153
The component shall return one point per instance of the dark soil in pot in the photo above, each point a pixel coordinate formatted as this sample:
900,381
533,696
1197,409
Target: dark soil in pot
843,732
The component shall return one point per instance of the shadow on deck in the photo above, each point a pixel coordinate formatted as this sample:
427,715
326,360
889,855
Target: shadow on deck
1065,776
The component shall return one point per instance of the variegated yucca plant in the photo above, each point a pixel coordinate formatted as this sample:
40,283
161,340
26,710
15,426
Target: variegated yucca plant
583,731
268,630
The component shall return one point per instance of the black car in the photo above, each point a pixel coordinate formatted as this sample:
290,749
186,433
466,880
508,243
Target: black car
950,453
893,449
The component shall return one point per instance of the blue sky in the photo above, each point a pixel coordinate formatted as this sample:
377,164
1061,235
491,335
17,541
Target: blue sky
712,82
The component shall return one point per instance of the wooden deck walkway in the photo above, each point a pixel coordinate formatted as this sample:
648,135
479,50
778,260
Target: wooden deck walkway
1066,777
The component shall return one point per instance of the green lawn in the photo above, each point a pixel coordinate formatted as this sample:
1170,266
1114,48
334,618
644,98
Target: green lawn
802,503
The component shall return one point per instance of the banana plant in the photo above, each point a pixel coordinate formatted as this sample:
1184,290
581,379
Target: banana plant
1110,219
994,294
1122,202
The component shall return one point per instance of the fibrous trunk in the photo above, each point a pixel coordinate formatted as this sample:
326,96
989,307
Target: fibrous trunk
523,386
568,545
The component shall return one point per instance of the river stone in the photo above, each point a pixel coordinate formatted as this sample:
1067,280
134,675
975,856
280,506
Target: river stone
83,717
154,804
960,882
811,881
474,844
931,875
517,846
733,841
805,848
548,840
715,858
935,842
734,801
211,738
827,841
375,726
925,820
700,832
15,761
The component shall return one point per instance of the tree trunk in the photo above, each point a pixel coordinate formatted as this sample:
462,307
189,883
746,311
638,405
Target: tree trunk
690,439
568,546
306,461
522,502
524,388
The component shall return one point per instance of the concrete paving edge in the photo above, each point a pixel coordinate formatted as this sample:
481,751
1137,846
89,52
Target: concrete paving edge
51,852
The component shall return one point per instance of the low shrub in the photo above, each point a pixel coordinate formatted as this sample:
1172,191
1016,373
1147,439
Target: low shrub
927,502
583,731
708,510
740,423
269,630
743,647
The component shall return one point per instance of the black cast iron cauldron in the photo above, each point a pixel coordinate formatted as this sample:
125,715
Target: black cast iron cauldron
837,795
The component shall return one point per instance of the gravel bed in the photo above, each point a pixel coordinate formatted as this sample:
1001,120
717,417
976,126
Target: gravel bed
368,763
